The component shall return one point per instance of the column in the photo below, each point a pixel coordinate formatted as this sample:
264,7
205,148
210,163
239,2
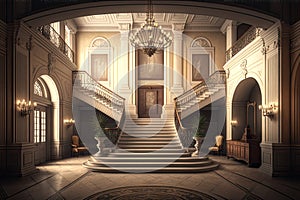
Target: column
123,61
177,88
229,27
124,69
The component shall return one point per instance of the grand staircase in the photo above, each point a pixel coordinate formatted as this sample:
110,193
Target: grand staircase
149,145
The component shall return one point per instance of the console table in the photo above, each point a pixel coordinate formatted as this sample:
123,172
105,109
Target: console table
248,151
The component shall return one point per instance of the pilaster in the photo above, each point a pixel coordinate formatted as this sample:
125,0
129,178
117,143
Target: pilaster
177,87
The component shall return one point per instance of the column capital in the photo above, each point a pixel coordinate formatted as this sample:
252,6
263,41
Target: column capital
124,27
178,27
227,24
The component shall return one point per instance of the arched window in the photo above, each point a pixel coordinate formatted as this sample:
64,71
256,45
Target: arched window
40,88
201,59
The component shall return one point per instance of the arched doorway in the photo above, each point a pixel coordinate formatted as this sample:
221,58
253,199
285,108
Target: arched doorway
247,120
245,102
46,118
296,106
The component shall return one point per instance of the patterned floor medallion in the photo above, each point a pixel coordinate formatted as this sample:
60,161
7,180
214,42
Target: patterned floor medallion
150,193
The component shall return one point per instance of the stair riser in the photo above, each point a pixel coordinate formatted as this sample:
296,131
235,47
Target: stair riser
135,139
137,165
170,137
147,143
154,170
149,147
143,160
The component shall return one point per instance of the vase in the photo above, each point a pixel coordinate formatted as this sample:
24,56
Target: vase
100,145
197,145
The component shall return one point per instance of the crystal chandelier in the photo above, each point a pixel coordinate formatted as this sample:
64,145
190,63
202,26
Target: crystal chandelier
150,37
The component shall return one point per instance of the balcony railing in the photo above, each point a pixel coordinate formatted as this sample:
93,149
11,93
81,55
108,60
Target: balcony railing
241,43
49,33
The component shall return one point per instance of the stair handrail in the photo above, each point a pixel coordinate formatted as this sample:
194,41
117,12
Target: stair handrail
217,78
84,80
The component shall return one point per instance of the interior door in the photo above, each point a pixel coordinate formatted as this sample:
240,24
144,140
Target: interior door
40,135
150,101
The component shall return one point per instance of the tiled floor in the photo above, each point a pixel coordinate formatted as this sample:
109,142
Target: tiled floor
67,179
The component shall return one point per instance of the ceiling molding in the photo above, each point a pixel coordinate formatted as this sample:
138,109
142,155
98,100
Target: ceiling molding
110,22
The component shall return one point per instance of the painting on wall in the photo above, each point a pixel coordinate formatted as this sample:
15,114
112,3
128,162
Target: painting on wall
150,68
99,67
200,68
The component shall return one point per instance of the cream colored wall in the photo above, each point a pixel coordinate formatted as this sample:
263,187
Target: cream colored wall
83,41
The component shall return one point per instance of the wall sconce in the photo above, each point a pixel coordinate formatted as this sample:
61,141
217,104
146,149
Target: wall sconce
25,108
234,123
69,122
268,111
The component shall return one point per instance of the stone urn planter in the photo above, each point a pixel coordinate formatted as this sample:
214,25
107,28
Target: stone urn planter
100,145
197,145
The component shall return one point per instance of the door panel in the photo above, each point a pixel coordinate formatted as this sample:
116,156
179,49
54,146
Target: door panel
150,101
40,135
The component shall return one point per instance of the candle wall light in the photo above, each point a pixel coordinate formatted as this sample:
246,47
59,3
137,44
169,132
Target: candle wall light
69,122
25,108
268,110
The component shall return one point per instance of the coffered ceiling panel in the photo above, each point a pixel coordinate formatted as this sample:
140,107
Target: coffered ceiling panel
110,22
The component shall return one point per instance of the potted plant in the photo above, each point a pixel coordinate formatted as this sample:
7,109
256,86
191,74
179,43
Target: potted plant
199,134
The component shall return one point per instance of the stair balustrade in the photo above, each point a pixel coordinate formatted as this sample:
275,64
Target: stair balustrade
92,91
202,91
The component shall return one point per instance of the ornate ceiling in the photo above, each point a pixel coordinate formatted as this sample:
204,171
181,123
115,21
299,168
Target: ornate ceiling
112,22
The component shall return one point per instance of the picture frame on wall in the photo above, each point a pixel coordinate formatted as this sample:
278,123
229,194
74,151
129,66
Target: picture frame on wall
99,67
200,67
150,68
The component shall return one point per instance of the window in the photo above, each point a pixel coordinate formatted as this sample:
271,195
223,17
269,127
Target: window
56,27
201,59
39,88
40,126
68,36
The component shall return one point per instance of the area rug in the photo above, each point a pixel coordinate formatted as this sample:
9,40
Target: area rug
150,193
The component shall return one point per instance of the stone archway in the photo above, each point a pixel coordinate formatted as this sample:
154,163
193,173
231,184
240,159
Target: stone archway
246,123
246,99
55,129
295,139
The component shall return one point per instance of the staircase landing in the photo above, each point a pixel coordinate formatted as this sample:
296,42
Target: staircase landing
149,145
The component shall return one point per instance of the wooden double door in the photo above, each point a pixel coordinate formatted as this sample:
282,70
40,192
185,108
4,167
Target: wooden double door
150,101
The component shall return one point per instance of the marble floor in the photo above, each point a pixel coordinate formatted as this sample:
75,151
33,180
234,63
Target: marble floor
67,179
